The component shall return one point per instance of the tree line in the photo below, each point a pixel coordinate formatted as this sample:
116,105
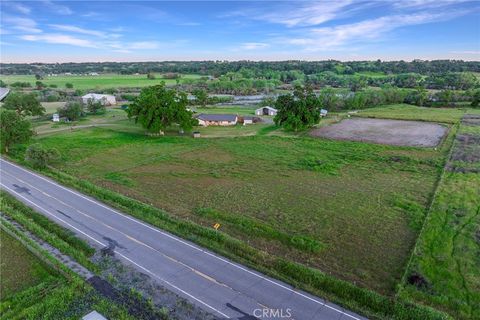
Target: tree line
218,68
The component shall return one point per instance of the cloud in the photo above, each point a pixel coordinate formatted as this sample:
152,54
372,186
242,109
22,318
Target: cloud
18,7
57,38
474,52
297,13
426,4
57,8
70,28
21,24
254,45
143,45
363,31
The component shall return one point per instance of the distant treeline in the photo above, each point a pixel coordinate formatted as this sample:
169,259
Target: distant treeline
217,68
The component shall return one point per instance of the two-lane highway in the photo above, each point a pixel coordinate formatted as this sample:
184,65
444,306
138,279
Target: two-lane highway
216,284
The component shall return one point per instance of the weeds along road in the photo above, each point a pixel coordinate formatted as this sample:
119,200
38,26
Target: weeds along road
219,286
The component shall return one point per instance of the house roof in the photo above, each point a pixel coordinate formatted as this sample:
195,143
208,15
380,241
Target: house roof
269,108
3,93
217,117
96,96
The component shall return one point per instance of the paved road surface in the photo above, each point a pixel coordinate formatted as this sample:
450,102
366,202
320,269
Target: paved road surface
219,286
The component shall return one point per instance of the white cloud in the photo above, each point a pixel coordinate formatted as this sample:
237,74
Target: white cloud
143,45
254,45
316,39
474,52
56,38
57,8
18,7
21,24
301,13
426,4
63,27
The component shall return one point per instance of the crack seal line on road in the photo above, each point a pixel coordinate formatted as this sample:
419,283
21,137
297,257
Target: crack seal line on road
185,243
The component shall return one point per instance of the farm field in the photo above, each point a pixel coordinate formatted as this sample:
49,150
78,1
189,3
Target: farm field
444,270
101,81
14,257
352,210
385,131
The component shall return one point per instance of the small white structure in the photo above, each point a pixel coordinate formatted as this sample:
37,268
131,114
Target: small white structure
94,315
323,112
247,120
217,119
93,74
56,117
104,99
266,111
3,93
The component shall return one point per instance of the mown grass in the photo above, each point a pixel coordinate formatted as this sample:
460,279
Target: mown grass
445,267
410,112
102,81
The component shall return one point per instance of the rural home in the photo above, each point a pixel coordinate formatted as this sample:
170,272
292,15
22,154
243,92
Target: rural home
104,99
266,111
217,119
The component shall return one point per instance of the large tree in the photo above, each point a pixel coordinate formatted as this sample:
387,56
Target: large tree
73,110
299,110
201,97
13,129
157,108
24,104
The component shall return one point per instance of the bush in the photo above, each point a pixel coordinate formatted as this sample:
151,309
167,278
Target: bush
72,111
69,85
95,107
40,157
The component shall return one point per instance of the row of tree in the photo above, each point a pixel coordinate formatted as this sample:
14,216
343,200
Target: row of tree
218,68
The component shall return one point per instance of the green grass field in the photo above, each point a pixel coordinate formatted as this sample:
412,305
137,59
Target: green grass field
409,112
97,82
445,270
356,207
14,257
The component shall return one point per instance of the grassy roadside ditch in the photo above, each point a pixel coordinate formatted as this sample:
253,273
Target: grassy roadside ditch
366,302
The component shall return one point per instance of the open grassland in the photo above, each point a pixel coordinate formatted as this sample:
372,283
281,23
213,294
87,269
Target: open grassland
19,269
445,267
409,112
101,81
350,209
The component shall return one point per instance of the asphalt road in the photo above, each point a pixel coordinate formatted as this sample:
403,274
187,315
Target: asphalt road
216,284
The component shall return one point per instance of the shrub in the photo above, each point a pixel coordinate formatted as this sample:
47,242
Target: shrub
72,111
40,157
69,85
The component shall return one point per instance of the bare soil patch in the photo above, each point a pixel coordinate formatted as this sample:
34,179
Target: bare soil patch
383,131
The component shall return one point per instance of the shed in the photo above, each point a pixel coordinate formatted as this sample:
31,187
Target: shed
217,119
104,99
323,112
266,111
248,120
56,117
94,315
3,93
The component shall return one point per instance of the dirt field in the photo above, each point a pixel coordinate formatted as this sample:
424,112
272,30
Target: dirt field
393,132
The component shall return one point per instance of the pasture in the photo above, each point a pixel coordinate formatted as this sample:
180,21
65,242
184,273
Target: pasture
102,81
350,209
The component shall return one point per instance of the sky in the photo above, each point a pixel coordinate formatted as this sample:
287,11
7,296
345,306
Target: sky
88,31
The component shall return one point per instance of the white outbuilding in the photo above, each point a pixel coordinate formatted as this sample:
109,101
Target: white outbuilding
266,111
104,99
